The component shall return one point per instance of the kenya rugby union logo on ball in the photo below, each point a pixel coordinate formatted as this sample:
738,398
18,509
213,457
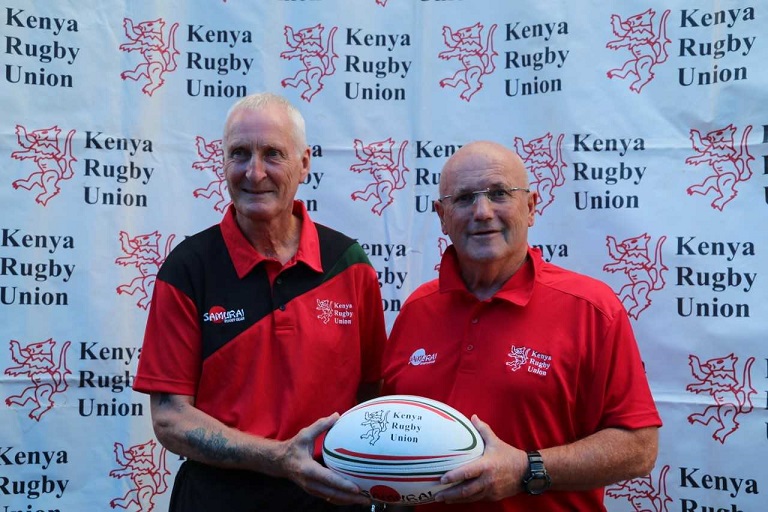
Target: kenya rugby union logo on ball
396,448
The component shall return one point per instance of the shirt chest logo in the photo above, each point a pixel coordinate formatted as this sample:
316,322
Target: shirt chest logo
330,311
530,360
219,315
421,358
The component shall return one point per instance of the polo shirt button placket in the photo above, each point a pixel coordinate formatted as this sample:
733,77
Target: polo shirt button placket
470,347
278,282
469,358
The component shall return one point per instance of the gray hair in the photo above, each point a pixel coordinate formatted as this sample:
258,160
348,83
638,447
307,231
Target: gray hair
260,100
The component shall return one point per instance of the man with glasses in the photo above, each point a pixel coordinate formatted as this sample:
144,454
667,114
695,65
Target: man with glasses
542,359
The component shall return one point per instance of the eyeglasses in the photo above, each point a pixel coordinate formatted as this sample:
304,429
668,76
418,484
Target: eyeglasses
494,195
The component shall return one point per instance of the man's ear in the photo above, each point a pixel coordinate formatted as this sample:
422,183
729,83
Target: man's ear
440,213
305,163
533,199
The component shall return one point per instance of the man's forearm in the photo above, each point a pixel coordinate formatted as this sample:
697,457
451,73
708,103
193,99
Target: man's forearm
606,457
189,432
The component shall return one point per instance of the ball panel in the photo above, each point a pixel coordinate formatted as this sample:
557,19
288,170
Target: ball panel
400,444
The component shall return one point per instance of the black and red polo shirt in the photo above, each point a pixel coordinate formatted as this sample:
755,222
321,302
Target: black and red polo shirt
264,348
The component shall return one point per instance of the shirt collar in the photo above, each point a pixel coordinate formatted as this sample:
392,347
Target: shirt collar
517,290
245,257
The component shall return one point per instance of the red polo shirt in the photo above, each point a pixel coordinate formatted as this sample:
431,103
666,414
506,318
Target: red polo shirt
264,348
550,359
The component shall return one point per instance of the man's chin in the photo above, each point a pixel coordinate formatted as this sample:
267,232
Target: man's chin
256,211
485,254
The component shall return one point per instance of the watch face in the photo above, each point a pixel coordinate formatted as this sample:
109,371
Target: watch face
537,481
537,485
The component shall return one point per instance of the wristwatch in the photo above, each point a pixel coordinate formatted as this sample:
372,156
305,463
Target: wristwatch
536,480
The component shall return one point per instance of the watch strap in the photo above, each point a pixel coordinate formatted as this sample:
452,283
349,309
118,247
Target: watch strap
536,480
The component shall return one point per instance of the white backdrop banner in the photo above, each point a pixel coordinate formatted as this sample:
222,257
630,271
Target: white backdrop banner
643,125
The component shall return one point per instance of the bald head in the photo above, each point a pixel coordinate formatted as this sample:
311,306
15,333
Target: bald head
483,155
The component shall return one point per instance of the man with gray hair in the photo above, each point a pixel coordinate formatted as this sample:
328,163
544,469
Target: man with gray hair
243,368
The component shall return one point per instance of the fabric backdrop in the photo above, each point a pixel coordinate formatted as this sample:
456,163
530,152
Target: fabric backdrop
643,126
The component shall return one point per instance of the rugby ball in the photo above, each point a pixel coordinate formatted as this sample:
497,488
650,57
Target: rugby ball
396,448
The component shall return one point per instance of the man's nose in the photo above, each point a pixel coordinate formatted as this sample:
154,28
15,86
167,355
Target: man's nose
482,207
256,168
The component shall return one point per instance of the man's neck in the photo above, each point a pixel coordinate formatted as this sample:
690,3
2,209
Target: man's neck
483,281
278,239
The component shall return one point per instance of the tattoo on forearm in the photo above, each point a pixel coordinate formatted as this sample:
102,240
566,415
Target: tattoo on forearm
214,445
164,399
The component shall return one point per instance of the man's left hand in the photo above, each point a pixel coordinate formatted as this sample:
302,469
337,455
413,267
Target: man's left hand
497,474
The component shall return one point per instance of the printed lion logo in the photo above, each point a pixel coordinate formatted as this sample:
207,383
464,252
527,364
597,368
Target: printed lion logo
148,477
631,257
477,60
54,164
546,165
442,245
325,309
142,252
641,493
519,356
212,159
647,48
376,423
717,377
377,159
159,55
37,361
317,59
717,150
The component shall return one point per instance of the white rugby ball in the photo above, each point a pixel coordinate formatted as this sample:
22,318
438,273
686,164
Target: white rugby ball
396,448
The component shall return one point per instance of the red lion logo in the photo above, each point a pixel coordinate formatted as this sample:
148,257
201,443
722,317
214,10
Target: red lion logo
317,59
718,151
53,163
147,476
325,309
159,55
631,256
647,49
212,159
378,160
376,423
442,245
477,60
546,165
37,361
142,252
717,377
641,493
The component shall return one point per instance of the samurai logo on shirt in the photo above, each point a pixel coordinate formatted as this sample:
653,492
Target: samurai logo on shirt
219,315
420,358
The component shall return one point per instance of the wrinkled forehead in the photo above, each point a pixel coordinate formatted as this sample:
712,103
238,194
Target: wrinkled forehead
266,124
477,169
